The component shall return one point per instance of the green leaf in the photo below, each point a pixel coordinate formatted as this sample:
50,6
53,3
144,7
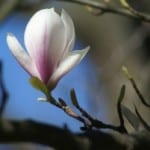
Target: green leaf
39,85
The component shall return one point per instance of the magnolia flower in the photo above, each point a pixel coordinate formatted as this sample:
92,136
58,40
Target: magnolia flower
49,40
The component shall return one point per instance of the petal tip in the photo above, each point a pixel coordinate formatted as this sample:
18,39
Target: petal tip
64,14
84,51
9,35
10,38
87,49
63,11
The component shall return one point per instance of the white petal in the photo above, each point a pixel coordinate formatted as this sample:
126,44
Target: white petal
70,32
21,55
65,66
45,40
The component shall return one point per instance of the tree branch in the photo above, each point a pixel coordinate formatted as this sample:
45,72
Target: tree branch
31,131
107,8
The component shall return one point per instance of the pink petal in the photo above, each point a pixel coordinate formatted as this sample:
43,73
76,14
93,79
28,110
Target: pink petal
21,56
44,40
65,66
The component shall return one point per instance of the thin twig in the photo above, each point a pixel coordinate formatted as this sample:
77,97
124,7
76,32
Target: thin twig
133,83
146,126
76,104
141,97
119,109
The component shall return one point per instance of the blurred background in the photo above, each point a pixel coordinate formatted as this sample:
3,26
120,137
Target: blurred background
115,41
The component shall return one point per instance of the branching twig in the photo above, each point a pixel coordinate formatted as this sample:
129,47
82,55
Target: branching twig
71,113
106,8
63,106
95,123
88,121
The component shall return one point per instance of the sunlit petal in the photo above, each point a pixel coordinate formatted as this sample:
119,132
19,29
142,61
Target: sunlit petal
65,66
